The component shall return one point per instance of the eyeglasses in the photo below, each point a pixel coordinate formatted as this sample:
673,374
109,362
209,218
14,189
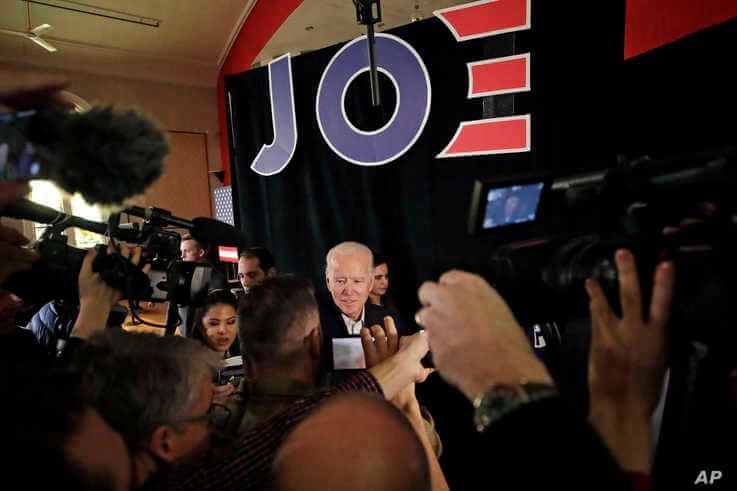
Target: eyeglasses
218,415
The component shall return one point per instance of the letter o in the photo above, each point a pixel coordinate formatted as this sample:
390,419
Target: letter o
401,63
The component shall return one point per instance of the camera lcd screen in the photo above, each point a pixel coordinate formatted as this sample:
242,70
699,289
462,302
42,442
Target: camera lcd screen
17,155
511,205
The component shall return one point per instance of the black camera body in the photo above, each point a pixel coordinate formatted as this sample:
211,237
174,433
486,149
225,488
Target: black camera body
169,279
572,227
578,224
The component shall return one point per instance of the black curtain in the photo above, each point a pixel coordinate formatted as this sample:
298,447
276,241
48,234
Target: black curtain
413,209
587,106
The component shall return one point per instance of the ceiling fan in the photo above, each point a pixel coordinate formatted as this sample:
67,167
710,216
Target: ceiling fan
34,35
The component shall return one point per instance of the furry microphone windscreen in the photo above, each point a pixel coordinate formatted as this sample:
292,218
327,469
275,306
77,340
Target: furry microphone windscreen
107,156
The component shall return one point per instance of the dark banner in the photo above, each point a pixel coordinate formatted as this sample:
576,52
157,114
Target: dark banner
461,100
466,95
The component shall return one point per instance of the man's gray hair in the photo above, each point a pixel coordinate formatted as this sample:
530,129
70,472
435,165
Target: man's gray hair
139,382
348,249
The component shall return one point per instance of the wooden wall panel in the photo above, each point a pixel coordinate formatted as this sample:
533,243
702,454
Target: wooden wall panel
184,188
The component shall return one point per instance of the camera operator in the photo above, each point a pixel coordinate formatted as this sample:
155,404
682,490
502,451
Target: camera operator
479,347
194,251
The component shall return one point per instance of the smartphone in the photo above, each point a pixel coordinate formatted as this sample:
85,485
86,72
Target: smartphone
18,157
348,354
231,372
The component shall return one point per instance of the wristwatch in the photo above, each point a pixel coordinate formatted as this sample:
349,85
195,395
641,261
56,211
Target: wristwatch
502,399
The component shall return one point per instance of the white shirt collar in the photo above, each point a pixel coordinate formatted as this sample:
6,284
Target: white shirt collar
354,327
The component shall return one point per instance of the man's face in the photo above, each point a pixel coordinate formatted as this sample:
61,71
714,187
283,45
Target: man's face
250,273
100,450
350,283
191,252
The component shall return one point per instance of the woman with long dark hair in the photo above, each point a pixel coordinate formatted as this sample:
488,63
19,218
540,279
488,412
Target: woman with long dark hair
379,294
216,323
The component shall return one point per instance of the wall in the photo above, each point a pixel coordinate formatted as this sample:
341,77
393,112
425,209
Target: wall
177,107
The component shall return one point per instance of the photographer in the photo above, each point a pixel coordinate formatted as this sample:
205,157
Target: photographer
479,347
194,251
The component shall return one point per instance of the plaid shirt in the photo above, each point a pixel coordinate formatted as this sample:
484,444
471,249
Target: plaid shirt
246,463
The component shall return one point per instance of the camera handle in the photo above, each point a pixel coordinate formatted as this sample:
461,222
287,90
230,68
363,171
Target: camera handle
172,318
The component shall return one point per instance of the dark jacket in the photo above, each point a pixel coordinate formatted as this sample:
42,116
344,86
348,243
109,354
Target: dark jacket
332,325
45,324
216,281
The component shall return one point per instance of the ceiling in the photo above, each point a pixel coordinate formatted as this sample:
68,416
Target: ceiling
191,41
186,48
319,23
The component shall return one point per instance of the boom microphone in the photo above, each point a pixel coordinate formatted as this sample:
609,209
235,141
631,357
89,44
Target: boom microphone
24,209
105,155
205,230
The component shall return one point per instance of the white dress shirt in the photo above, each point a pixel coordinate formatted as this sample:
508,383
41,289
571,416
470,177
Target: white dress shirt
354,327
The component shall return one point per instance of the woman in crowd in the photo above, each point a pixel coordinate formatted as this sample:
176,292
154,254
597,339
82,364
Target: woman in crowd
379,293
216,323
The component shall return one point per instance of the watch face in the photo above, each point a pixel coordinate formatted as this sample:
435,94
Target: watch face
494,403
502,399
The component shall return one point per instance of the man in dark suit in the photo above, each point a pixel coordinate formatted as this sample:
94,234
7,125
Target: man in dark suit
349,274
194,251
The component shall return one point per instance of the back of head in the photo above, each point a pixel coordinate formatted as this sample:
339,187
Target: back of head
41,414
382,452
271,320
265,258
139,382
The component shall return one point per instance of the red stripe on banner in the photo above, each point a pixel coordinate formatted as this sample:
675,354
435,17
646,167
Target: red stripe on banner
499,76
486,18
650,24
490,136
228,254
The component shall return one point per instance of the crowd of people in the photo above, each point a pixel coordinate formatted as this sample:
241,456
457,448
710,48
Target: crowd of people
118,410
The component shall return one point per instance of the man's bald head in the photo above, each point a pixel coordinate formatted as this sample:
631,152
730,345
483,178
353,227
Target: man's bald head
354,442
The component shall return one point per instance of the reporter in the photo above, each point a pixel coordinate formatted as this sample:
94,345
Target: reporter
530,437
246,462
216,323
475,340
97,298
380,344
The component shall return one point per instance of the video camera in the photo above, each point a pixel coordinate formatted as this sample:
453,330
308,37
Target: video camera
555,233
169,279
552,234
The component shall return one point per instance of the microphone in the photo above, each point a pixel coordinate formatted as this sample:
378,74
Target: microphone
215,232
105,155
24,209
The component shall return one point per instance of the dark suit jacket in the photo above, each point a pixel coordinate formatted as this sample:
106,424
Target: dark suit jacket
332,325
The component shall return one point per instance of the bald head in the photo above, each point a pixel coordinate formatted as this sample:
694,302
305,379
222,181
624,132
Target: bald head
382,452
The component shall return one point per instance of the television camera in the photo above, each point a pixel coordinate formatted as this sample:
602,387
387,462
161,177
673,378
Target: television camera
169,279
